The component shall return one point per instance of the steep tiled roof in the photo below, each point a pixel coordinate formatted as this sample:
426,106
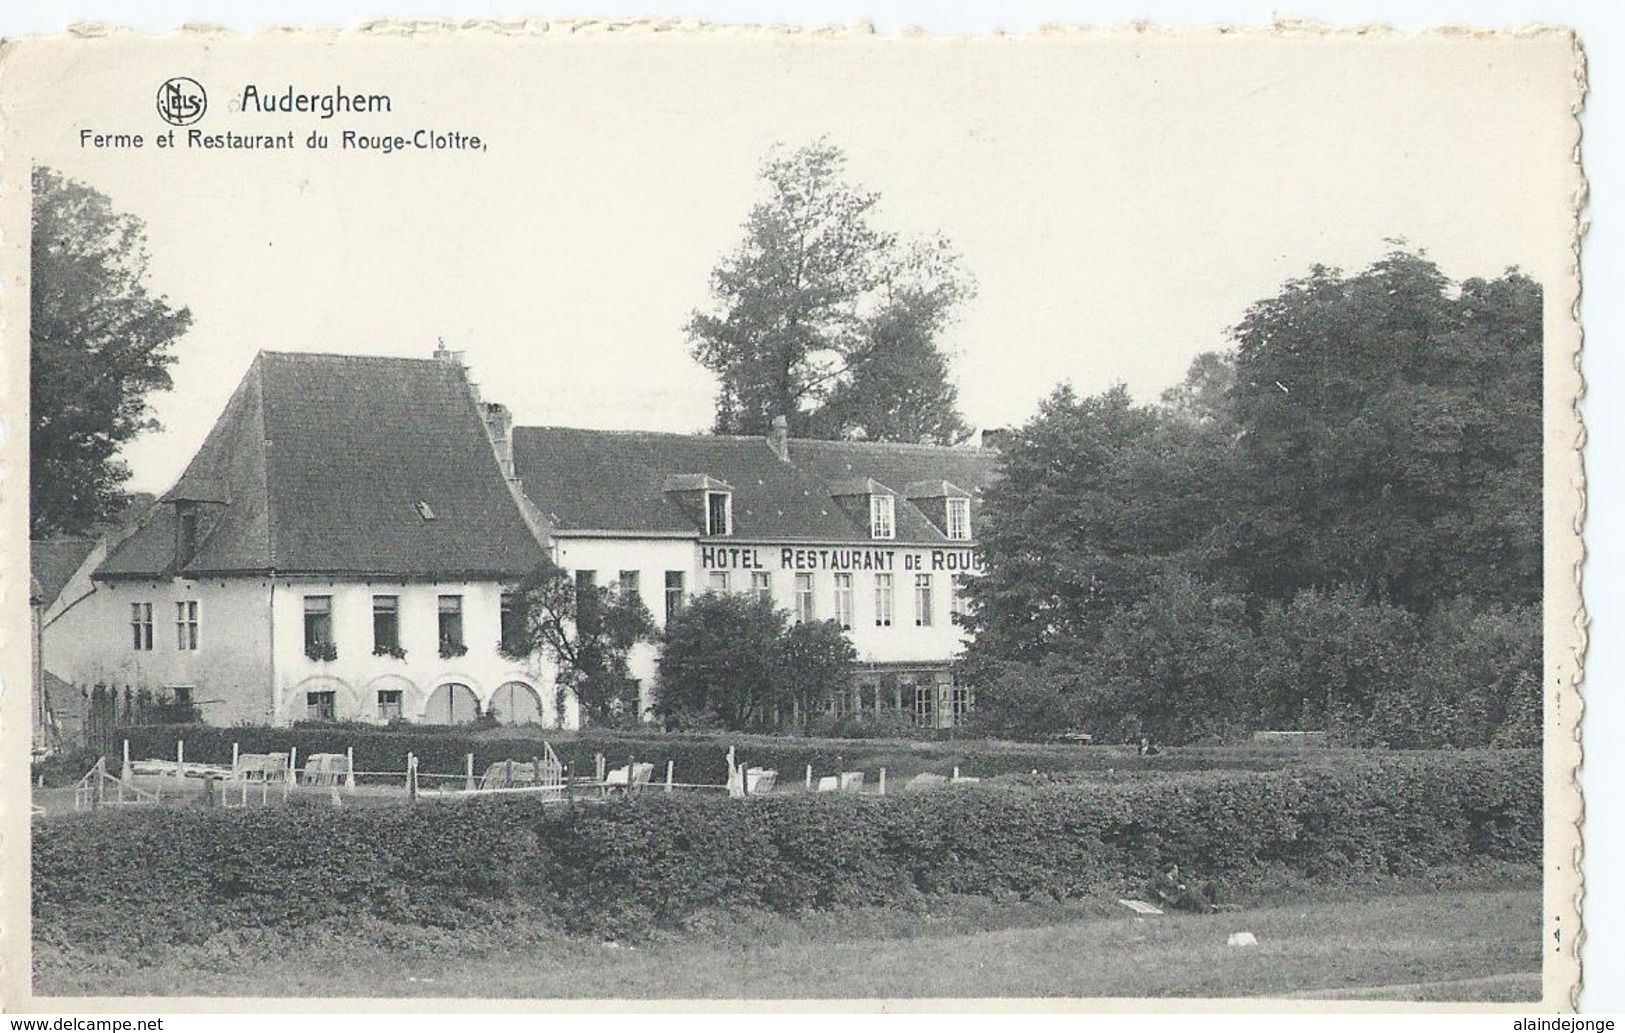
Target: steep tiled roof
53,562
323,460
628,482
900,466
633,481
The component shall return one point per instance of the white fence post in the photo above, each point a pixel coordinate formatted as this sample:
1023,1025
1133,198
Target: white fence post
349,767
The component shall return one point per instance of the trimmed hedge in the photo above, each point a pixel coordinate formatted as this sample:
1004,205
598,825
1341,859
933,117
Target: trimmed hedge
701,758
139,878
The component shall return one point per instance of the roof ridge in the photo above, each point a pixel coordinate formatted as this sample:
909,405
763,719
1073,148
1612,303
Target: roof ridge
632,431
347,356
900,446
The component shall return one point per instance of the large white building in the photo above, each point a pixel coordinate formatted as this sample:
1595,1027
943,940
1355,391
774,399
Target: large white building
339,549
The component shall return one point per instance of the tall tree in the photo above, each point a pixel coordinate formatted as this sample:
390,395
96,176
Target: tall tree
1358,485
1391,436
827,320
1098,498
587,633
99,344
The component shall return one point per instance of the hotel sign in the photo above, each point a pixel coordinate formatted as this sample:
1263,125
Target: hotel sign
839,558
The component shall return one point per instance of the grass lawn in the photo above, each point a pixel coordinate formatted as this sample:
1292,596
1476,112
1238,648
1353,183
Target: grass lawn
1448,944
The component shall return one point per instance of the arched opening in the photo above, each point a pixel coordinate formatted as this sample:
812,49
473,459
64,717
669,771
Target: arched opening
320,699
390,697
515,703
452,704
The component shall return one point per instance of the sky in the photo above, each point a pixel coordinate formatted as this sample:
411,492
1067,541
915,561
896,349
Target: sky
1119,202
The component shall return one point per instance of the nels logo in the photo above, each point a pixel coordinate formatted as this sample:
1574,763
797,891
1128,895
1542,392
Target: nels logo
181,101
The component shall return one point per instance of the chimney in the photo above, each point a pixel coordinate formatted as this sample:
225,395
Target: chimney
444,354
499,427
778,439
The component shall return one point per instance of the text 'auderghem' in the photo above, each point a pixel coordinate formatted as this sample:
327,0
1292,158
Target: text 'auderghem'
335,102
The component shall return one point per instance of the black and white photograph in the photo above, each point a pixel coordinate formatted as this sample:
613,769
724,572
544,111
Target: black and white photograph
570,513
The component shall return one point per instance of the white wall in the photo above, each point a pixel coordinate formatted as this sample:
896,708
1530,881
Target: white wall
651,558
901,642
88,639
356,674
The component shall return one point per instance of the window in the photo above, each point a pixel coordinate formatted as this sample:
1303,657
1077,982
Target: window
718,512
843,601
922,600
718,581
186,626
959,519
761,586
512,625
804,599
628,585
320,706
451,627
141,625
956,596
883,590
586,596
674,593
386,626
962,703
882,516
186,514
389,704
839,703
924,712
319,644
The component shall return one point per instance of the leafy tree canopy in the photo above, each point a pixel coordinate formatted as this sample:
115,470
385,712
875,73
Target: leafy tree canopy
1272,544
1391,436
735,662
99,345
827,320
587,632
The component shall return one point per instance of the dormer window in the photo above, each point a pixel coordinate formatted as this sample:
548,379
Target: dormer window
186,532
719,513
958,526
703,499
882,516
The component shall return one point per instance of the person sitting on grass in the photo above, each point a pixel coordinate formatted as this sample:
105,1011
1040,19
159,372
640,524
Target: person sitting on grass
1171,889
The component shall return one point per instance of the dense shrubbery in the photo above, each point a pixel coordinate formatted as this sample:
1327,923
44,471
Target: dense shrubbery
1184,665
732,661
658,860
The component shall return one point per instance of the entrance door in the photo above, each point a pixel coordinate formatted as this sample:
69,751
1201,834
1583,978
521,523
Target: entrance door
452,704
